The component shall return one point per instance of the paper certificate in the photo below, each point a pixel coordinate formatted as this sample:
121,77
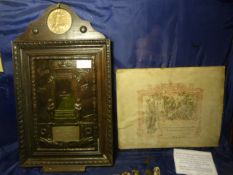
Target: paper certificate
191,162
170,107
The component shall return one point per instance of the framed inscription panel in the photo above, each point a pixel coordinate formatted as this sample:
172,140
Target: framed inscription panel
170,107
63,93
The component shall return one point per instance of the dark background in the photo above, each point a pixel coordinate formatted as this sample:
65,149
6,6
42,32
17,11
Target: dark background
144,33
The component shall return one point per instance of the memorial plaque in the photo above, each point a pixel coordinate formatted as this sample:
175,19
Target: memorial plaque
170,107
63,93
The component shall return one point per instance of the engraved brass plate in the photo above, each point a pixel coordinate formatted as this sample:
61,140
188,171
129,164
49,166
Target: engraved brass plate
59,21
66,133
63,89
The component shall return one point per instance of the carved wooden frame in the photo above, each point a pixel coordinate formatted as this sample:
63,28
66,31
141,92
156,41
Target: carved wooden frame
26,51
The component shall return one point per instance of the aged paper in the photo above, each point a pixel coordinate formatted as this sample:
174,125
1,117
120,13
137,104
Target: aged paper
169,107
191,162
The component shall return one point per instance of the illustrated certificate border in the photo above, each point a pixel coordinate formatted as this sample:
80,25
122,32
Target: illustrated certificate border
170,107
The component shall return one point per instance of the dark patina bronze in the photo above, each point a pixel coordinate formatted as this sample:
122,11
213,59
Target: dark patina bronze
63,93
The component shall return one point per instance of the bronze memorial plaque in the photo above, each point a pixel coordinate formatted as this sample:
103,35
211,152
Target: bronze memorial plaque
63,93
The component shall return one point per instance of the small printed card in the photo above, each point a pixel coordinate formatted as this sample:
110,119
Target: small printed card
192,162
83,63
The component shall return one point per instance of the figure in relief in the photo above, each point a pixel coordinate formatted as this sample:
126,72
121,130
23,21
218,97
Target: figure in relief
51,107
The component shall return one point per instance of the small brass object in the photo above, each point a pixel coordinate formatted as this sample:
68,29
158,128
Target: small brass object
35,31
83,29
135,172
156,170
1,65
